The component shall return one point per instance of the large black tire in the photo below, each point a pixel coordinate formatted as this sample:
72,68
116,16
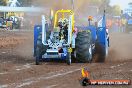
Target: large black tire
40,49
83,47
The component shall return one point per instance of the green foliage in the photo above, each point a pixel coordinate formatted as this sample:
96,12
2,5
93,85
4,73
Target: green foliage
130,3
2,3
116,10
25,2
104,5
100,2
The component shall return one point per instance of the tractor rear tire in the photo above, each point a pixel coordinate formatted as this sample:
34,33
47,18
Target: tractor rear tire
83,47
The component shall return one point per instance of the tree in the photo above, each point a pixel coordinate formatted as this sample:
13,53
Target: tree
100,4
2,2
130,3
25,2
116,10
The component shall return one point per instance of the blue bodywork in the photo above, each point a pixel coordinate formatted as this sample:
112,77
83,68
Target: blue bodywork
98,36
37,30
101,35
93,32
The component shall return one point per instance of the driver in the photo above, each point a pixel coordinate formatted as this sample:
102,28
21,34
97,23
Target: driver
65,27
63,24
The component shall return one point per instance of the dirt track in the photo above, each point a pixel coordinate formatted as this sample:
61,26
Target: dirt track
17,69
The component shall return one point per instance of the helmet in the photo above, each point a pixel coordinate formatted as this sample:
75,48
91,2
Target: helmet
60,20
65,22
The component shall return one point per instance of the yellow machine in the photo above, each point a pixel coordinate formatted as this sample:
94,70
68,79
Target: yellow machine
63,14
60,41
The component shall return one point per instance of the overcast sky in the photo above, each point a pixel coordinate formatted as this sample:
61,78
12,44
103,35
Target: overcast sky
122,3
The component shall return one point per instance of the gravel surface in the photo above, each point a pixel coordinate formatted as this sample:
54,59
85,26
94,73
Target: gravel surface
18,70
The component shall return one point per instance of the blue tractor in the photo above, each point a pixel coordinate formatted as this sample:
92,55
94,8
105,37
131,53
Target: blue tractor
64,41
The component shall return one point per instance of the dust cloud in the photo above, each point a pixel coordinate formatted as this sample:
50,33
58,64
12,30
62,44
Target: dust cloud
120,47
120,43
82,9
